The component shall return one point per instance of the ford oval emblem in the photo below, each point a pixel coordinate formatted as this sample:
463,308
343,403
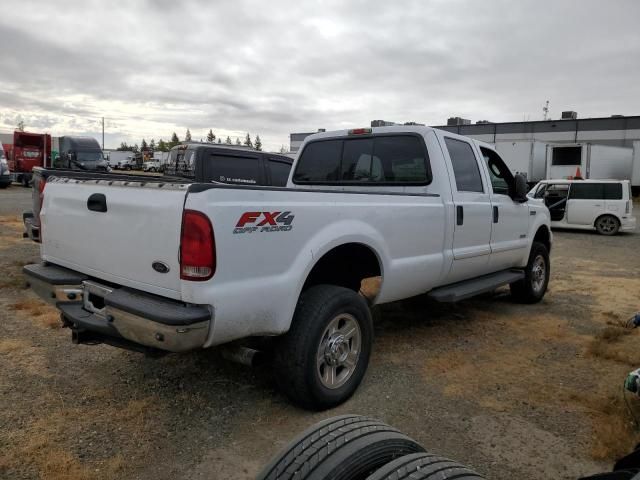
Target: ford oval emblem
160,267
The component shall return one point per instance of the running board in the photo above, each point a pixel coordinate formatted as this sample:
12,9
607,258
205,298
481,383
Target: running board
470,288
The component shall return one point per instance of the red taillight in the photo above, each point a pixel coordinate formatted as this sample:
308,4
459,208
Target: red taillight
360,131
197,247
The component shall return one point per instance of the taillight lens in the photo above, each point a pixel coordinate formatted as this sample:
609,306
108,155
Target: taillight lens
197,247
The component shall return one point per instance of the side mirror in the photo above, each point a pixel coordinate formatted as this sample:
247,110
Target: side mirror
520,188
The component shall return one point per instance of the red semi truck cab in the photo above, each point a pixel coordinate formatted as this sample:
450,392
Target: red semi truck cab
29,150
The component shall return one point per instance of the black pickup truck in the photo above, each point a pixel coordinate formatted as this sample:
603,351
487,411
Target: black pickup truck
193,161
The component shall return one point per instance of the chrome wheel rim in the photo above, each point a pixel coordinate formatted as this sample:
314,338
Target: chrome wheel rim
339,351
538,273
607,224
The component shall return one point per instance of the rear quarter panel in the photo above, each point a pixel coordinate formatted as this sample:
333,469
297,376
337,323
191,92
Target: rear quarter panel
260,274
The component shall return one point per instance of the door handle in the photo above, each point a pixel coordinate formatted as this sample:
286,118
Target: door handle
459,215
496,214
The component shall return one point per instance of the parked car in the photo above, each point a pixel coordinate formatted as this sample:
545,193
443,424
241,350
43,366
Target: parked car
230,164
603,205
5,174
420,210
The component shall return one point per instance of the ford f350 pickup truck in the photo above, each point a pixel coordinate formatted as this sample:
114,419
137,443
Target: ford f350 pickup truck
147,263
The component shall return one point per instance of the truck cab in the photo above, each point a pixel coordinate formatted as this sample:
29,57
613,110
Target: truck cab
81,153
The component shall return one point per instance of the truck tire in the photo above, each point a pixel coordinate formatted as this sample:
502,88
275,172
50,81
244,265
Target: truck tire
607,225
532,288
423,466
347,447
322,359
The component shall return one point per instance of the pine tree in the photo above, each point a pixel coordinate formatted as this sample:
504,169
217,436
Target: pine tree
228,140
258,143
210,136
143,146
152,145
135,148
219,140
162,146
238,141
247,141
174,140
187,136
21,125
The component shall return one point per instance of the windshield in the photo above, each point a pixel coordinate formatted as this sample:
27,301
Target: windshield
89,156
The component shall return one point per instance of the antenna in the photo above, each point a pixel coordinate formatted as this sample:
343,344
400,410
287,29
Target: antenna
545,110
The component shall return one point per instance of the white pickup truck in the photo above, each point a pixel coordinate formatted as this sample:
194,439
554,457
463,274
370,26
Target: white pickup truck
146,263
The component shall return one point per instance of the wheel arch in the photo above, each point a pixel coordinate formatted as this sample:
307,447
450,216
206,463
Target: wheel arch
543,235
347,265
607,214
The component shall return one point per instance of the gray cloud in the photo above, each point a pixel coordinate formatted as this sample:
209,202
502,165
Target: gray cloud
272,68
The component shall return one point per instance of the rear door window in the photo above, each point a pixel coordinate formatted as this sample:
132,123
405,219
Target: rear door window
384,159
465,166
587,191
242,170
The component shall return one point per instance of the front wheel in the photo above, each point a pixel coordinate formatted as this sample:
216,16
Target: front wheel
607,225
322,359
533,286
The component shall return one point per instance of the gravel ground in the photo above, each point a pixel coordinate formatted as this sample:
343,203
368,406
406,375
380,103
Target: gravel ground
513,391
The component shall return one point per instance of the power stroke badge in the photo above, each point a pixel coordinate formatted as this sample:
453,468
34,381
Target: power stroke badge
250,222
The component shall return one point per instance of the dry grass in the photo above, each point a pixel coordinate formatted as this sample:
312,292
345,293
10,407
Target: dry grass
42,444
44,314
615,432
11,345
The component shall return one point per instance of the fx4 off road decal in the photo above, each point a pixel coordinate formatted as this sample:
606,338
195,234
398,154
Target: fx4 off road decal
250,222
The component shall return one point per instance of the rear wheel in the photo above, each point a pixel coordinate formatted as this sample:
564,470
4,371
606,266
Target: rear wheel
533,286
322,359
423,466
607,225
348,447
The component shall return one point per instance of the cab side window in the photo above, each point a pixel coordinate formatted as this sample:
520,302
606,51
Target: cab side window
465,166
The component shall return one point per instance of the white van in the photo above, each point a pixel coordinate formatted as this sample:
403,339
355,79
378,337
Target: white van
603,205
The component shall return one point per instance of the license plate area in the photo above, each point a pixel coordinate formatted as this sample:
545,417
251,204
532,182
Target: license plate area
93,297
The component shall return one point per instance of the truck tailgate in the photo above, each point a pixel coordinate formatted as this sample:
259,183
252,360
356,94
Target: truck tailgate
141,225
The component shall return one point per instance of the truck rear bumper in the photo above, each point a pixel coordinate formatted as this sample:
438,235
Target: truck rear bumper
119,316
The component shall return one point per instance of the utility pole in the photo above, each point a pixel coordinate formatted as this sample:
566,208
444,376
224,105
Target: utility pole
545,110
103,134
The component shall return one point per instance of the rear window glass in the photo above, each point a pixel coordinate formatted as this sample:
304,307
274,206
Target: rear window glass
392,159
181,162
613,191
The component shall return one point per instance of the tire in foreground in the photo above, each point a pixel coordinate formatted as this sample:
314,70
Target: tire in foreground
423,466
347,447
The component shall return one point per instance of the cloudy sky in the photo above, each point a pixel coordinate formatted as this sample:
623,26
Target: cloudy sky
270,68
